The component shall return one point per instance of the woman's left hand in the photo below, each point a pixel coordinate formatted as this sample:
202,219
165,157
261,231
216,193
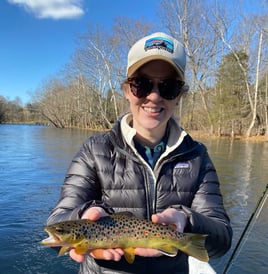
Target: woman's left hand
171,216
168,216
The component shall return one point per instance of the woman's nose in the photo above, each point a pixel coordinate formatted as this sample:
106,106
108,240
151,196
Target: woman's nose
154,94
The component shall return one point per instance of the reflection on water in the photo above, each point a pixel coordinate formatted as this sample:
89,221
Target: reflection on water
249,247
33,160
243,170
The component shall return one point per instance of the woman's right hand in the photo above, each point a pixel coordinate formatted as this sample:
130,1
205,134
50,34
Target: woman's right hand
93,214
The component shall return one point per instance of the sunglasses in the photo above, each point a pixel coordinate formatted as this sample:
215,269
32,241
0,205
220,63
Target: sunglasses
168,89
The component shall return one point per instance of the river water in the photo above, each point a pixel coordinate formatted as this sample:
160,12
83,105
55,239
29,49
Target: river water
33,160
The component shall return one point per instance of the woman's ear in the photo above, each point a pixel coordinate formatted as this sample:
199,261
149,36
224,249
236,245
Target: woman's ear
179,98
125,88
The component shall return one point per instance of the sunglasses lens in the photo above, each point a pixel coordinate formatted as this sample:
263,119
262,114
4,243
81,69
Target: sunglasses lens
140,86
169,89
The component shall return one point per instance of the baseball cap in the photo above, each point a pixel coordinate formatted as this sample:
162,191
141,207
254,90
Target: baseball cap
157,46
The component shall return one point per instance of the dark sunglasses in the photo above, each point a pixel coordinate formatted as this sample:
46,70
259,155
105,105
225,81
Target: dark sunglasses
141,87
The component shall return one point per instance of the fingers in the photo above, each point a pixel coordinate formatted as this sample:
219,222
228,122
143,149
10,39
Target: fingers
107,254
147,252
168,216
113,254
76,257
101,254
156,218
94,213
171,216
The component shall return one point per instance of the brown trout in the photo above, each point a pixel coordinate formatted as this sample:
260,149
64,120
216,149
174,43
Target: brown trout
126,232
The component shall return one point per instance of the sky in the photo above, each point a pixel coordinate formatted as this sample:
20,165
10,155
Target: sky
38,37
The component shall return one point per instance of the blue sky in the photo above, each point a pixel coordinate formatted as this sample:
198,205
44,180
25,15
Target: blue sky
38,37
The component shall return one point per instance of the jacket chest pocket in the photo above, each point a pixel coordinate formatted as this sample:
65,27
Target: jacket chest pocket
184,177
182,169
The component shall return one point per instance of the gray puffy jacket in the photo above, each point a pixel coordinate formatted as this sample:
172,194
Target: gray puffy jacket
107,169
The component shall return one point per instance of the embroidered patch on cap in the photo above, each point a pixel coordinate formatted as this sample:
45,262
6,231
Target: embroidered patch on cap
159,43
182,165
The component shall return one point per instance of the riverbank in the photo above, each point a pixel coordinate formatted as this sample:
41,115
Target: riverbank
196,134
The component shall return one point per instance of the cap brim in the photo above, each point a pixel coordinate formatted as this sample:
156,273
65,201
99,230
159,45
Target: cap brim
137,65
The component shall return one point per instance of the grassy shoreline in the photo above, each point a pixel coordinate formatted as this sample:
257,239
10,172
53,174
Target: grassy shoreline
204,135
196,134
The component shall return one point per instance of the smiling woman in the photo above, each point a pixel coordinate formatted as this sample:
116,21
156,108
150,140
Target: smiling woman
148,165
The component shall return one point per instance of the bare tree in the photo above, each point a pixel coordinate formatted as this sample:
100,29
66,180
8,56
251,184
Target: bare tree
186,20
266,106
256,89
88,93
243,40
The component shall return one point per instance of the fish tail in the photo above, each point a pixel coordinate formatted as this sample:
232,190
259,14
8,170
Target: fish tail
195,246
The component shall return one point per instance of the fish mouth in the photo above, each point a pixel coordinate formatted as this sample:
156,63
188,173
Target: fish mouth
51,240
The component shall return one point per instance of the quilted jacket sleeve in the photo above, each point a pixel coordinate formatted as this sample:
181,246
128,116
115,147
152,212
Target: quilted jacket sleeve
207,214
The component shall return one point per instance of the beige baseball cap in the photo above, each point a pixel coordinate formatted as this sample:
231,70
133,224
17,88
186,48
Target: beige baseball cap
157,46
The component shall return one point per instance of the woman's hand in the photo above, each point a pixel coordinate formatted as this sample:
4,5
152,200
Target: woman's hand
171,216
168,216
93,214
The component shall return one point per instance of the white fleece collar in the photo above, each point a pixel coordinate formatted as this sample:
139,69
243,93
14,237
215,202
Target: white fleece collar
176,134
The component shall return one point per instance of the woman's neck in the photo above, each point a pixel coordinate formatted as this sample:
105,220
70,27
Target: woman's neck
149,137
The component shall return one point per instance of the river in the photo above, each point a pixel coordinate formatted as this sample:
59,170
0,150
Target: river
33,161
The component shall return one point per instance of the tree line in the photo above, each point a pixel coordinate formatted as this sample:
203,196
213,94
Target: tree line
13,111
227,70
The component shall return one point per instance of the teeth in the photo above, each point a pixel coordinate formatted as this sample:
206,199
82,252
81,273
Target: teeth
152,110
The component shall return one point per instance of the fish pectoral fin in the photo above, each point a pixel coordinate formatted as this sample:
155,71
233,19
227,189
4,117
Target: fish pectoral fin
80,251
81,247
168,250
64,250
129,254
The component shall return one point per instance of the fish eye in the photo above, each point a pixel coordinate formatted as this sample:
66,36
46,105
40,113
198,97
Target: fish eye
59,230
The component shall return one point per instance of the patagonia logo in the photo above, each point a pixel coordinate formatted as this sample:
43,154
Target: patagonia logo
182,165
159,43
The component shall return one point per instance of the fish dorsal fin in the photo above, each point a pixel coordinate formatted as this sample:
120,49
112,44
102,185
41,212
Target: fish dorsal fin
173,226
123,213
129,254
